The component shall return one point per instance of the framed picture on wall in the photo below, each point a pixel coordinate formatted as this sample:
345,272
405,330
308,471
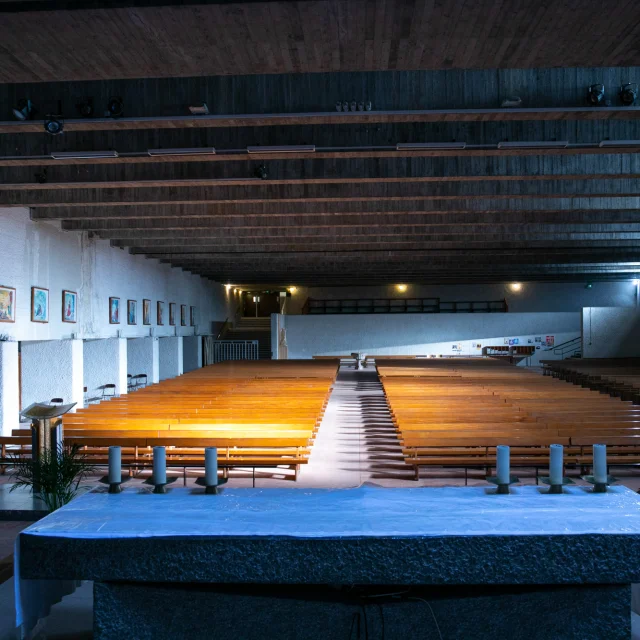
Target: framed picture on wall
192,316
114,310
7,304
132,312
160,313
183,315
39,304
69,306
172,314
146,311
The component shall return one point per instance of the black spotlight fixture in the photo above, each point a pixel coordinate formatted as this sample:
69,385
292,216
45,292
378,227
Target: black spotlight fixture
595,95
115,107
85,108
53,125
24,110
261,172
628,94
41,176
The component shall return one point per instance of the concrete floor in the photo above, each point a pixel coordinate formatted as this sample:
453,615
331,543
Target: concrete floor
356,443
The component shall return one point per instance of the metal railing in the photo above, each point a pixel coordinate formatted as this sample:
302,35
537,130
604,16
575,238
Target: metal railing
235,350
572,347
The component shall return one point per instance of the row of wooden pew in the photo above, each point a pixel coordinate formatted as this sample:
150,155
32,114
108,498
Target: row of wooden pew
453,413
257,413
619,377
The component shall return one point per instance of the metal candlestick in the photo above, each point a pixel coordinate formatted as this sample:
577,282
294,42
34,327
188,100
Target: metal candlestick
503,489
555,489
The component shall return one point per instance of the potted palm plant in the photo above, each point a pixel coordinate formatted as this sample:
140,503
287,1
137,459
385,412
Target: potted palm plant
54,476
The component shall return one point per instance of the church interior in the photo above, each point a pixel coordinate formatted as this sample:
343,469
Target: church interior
319,319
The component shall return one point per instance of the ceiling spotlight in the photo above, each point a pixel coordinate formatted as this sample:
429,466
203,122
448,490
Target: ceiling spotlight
368,106
628,94
227,287
53,125
401,287
515,286
339,105
115,107
595,95
293,289
24,110
589,285
41,177
261,172
85,108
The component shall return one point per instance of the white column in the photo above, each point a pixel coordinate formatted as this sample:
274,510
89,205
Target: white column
9,389
171,357
52,369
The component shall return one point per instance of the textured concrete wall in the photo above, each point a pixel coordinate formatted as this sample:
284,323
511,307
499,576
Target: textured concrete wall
9,390
143,357
192,353
422,334
532,297
40,254
50,369
171,357
105,362
610,332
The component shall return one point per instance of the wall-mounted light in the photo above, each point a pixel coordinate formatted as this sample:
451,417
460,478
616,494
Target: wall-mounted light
401,287
543,144
82,155
285,148
227,287
420,146
195,151
515,286
293,289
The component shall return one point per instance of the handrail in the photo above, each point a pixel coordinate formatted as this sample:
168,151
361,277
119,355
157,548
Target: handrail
222,329
575,344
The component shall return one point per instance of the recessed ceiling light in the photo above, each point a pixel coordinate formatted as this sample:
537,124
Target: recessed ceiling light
551,144
197,151
417,146
287,148
82,155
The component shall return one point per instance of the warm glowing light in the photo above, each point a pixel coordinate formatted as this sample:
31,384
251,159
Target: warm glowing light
401,287
293,289
227,287
515,286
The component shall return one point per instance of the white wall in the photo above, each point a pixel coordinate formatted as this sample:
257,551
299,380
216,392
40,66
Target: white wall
40,254
105,362
533,296
610,332
192,353
51,369
422,334
171,357
143,356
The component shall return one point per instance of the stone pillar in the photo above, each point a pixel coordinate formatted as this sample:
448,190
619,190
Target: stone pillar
52,369
192,347
171,357
105,362
143,357
9,389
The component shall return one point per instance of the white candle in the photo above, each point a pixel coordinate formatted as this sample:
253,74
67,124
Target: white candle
211,466
159,465
503,472
555,463
115,465
600,463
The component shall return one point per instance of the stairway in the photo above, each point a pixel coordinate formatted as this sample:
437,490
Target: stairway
253,329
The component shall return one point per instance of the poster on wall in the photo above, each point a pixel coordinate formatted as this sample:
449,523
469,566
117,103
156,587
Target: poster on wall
183,315
69,306
132,312
160,313
506,340
172,314
550,341
538,339
192,316
114,310
39,304
7,304
146,311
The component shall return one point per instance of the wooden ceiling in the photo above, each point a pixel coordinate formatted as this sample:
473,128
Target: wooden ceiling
105,40
358,209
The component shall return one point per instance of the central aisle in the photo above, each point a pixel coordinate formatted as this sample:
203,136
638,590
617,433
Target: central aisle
356,441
